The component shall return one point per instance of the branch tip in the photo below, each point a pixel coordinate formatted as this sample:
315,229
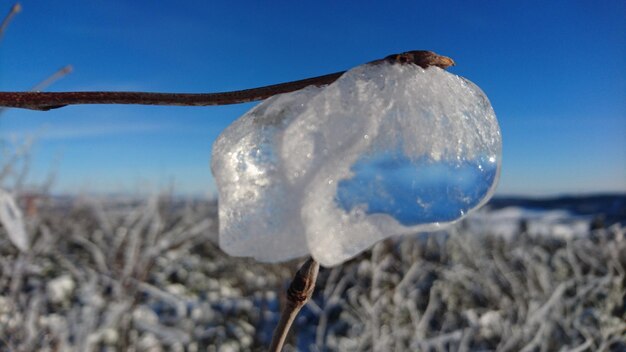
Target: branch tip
298,294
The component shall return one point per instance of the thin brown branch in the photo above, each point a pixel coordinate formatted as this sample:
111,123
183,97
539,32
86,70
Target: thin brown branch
298,294
15,9
47,101
64,71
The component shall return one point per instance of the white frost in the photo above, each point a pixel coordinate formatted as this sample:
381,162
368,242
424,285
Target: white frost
11,220
60,289
385,150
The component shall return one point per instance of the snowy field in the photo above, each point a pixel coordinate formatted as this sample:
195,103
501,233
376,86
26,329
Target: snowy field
124,275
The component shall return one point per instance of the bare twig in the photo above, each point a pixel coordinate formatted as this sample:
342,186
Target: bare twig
47,101
298,294
15,9
62,72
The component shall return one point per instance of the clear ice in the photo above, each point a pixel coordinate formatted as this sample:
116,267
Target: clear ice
385,150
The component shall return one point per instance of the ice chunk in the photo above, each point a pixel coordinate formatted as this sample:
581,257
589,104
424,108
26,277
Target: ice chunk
11,220
387,149
259,212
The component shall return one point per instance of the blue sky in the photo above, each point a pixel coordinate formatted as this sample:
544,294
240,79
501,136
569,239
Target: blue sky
554,71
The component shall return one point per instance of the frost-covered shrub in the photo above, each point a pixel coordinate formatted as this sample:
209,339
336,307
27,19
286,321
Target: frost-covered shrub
117,275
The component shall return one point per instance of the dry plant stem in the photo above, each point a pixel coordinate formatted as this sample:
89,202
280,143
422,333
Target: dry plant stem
298,294
15,9
47,101
62,72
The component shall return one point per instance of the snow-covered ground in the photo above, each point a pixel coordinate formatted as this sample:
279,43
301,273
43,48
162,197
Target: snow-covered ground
510,221
118,275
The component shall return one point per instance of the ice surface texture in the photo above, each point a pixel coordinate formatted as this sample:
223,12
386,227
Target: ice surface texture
387,149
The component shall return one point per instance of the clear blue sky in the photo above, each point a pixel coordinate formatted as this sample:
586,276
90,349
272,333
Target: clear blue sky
555,72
